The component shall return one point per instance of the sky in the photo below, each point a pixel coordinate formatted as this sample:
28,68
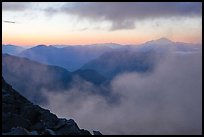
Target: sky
70,23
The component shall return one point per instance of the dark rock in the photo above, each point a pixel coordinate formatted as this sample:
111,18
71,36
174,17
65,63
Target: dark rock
85,132
39,126
10,120
21,117
97,133
69,128
34,133
61,123
12,108
17,131
30,112
48,119
48,132
7,98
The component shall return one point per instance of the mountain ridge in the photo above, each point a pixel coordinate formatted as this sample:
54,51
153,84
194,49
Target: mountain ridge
17,71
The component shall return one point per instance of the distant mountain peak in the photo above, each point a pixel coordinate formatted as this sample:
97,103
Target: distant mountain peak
12,49
41,45
163,39
7,45
160,41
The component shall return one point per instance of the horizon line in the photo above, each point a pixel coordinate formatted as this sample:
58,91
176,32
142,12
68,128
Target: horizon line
135,44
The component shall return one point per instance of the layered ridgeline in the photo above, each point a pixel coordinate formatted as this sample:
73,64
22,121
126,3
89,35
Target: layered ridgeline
70,57
21,117
31,78
74,57
138,58
114,63
12,49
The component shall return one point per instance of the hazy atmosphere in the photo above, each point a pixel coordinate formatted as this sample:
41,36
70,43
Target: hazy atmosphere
110,68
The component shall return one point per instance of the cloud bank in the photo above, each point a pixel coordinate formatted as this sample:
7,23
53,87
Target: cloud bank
167,101
123,15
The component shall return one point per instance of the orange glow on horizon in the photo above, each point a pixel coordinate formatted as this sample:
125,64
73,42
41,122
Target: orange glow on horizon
71,39
29,41
54,37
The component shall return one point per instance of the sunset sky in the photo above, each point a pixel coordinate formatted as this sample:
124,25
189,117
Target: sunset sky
100,22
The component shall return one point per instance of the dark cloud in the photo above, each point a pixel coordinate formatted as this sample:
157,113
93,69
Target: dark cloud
123,15
15,6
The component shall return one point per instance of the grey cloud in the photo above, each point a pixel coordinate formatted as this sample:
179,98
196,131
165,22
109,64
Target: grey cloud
127,24
123,15
50,11
15,6
167,101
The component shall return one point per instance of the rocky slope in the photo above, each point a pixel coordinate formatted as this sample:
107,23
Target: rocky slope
21,117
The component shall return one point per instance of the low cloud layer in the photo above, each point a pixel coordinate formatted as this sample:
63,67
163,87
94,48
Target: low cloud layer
167,101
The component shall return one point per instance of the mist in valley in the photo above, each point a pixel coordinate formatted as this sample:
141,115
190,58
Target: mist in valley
165,101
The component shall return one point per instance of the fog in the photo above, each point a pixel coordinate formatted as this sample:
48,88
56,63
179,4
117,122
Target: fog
166,101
